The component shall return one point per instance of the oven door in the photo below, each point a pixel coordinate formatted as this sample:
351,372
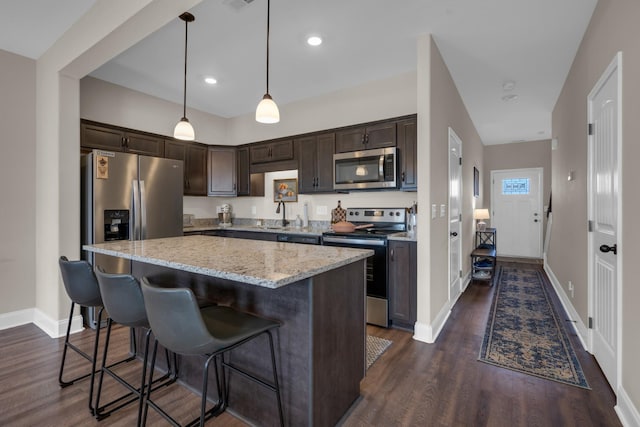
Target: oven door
376,273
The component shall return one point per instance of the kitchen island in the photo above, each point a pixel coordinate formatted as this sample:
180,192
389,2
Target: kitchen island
317,292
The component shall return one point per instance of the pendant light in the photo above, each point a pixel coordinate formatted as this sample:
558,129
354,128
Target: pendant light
267,111
183,129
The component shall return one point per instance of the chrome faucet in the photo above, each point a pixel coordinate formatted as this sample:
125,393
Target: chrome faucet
284,221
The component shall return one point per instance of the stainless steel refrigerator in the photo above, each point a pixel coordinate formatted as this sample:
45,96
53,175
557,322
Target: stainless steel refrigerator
129,197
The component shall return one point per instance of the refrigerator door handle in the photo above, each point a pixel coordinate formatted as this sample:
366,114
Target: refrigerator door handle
143,211
135,193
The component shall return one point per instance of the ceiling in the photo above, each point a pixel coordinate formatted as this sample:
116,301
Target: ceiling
485,44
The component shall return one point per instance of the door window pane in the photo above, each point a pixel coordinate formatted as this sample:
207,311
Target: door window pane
515,186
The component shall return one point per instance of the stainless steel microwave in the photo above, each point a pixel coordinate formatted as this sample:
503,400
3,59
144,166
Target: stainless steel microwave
363,170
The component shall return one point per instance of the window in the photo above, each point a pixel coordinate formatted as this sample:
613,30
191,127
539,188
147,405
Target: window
515,186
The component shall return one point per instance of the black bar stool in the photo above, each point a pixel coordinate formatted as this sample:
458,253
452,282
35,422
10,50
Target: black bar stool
123,301
184,328
82,288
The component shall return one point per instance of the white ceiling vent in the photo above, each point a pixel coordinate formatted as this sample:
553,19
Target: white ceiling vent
237,5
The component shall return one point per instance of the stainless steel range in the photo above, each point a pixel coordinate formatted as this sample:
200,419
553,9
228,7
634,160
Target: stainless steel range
384,221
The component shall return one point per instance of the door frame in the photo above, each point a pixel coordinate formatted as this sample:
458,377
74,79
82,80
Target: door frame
540,172
614,67
452,298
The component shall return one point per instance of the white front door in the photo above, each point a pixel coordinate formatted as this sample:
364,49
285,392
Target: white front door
603,109
455,213
516,212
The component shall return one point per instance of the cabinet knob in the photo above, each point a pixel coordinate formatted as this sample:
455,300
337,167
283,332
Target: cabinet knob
453,233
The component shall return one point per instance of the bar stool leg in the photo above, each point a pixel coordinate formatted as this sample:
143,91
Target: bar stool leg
64,351
275,378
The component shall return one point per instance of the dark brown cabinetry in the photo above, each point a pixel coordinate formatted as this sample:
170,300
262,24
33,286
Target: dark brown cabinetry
378,135
272,151
221,175
195,165
94,136
248,184
402,283
408,154
315,171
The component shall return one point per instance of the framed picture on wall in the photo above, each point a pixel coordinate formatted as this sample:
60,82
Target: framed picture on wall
285,190
476,182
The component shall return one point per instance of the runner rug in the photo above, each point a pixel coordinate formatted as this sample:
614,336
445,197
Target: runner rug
525,333
375,347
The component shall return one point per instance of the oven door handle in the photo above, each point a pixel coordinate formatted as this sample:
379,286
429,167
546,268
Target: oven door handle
352,241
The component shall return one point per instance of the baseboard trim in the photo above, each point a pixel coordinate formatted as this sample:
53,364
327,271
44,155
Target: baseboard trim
627,413
429,333
576,321
16,318
53,328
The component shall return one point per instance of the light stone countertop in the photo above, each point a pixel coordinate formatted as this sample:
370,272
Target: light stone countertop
260,263
272,229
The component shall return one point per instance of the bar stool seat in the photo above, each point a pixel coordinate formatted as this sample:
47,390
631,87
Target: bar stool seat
82,288
182,327
123,301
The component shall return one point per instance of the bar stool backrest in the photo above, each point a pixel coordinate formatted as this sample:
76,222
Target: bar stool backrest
122,298
80,282
175,319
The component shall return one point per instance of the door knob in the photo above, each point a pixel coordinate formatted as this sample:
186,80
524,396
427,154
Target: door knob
535,220
453,233
605,249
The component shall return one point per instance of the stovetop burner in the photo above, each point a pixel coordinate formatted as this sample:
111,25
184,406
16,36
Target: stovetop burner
385,221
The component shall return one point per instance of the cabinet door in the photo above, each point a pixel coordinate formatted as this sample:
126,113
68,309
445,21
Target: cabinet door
146,145
196,170
350,140
260,153
307,148
282,150
324,165
101,138
381,135
408,154
221,171
402,282
242,168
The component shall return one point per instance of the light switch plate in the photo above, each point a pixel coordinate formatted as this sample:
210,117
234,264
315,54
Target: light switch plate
253,210
443,211
321,210
434,210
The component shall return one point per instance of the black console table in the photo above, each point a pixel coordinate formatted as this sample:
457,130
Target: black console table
483,257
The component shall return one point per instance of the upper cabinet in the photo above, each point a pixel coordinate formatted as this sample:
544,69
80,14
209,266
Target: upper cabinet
194,156
222,171
408,154
248,184
272,151
378,135
315,171
94,136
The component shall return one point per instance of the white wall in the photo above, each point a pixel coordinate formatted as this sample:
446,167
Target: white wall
17,183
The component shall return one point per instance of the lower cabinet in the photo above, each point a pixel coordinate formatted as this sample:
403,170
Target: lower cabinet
402,283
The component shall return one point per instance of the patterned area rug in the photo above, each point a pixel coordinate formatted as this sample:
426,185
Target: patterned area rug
525,333
375,347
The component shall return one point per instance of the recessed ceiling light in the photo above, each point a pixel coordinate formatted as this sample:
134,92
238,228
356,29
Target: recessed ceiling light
510,97
210,80
314,40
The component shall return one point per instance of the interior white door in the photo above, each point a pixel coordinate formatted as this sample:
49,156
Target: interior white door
603,107
455,215
516,212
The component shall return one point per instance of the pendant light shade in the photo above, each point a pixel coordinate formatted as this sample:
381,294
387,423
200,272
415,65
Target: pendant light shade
267,111
183,129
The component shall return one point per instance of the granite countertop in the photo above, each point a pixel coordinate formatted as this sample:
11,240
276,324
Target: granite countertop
408,237
270,229
260,263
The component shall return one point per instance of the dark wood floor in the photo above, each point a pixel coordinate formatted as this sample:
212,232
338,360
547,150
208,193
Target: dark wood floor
412,384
